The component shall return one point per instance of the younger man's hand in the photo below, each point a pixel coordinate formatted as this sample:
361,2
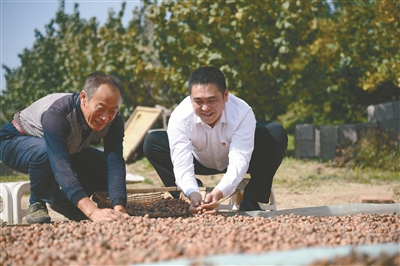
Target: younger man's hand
195,202
210,204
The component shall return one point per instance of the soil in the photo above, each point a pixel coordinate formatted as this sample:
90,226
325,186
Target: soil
290,189
329,194
292,186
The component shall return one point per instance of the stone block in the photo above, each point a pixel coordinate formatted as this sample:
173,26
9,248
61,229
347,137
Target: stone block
393,125
305,149
348,133
304,132
382,112
329,133
329,137
391,128
304,141
396,109
366,130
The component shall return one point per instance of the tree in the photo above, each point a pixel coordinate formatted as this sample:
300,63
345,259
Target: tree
254,44
293,61
70,49
353,62
54,64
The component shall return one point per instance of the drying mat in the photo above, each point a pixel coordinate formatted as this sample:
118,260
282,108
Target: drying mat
155,202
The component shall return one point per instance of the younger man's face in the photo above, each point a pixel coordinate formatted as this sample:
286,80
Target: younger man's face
208,102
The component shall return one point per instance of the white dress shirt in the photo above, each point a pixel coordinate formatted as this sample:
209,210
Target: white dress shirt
229,144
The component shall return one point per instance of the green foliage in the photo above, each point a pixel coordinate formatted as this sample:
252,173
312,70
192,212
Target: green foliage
58,61
255,45
373,151
314,177
293,61
353,62
377,154
13,178
291,146
72,48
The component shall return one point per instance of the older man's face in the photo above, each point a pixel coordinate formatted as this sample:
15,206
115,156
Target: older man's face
102,108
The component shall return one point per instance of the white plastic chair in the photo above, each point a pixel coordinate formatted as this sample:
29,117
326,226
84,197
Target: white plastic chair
233,203
132,179
271,205
6,211
11,193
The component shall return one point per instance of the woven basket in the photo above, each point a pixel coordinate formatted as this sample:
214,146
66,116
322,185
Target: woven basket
150,201
141,201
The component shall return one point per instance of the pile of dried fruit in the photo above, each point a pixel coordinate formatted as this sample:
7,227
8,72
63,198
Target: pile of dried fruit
355,258
168,207
144,239
153,204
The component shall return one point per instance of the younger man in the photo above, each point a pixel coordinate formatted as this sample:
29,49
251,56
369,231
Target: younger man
211,132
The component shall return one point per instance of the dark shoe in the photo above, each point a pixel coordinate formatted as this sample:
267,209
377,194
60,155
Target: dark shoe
70,211
249,205
37,214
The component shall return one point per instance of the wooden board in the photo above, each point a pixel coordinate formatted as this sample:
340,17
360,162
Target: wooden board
137,126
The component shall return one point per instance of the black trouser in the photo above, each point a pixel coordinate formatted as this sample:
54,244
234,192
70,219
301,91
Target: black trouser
270,144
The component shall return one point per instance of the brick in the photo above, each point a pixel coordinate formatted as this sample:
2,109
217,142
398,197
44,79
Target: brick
376,199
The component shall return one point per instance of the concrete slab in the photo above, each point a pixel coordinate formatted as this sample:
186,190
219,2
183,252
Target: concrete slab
332,210
304,256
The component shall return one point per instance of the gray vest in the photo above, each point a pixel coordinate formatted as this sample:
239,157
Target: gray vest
30,119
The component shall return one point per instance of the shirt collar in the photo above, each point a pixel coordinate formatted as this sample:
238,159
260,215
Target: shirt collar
79,114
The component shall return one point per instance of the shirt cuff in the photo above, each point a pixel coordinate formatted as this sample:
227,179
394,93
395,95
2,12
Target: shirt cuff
116,202
190,191
78,196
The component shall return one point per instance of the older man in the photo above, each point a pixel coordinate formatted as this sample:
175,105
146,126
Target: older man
50,140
